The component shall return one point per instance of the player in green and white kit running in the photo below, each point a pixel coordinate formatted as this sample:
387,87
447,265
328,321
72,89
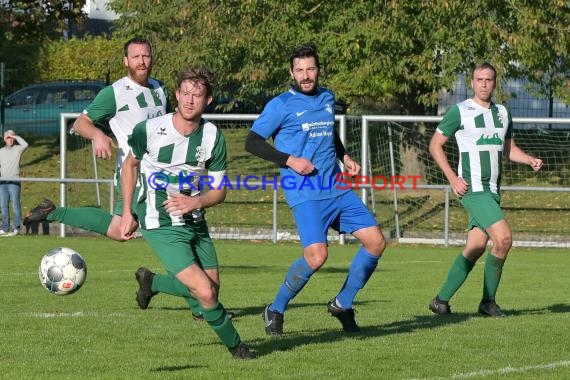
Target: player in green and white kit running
128,101
484,133
175,154
134,98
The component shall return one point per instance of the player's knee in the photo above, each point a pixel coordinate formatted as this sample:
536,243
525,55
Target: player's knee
316,258
503,244
375,246
207,296
318,262
381,245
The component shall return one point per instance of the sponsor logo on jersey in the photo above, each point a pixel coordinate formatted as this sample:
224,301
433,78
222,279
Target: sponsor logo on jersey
317,124
200,154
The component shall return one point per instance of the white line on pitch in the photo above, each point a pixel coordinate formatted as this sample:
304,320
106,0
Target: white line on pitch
503,371
75,314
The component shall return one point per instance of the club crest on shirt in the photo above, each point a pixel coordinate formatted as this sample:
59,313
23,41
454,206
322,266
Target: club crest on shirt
200,154
329,108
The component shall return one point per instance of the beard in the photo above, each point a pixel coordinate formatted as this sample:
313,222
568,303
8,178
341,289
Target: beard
311,91
141,77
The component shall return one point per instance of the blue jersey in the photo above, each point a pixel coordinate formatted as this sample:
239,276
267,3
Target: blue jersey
303,126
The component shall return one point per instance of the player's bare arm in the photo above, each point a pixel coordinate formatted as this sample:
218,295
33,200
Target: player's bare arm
128,183
458,184
516,154
351,167
102,144
180,204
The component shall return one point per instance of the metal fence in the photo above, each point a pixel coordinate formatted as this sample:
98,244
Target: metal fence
537,207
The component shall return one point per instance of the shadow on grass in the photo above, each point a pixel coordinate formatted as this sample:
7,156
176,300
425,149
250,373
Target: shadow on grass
292,340
419,322
242,269
552,309
455,317
176,368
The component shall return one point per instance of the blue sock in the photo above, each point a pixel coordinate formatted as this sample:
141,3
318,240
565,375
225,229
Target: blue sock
361,268
297,276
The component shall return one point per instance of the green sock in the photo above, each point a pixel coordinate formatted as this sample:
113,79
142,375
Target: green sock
169,284
88,218
492,276
456,277
194,306
222,325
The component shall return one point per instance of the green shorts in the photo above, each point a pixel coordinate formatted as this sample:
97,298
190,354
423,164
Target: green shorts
118,189
178,247
483,208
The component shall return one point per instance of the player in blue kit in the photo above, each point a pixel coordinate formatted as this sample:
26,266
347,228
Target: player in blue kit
306,147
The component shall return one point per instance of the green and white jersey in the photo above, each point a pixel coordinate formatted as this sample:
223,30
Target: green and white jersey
126,103
480,134
171,162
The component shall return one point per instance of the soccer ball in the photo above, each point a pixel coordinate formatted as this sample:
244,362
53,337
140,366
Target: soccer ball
62,271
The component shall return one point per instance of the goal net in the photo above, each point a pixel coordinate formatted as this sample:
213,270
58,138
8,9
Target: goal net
536,204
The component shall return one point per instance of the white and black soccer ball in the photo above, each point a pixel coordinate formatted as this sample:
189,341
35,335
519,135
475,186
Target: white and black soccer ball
62,271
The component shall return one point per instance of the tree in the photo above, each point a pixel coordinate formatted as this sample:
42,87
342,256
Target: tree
40,20
391,56
26,26
543,47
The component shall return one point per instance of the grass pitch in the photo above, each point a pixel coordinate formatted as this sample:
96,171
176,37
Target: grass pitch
99,332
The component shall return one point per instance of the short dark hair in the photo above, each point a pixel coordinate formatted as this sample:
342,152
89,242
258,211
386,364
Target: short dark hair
482,66
305,50
198,74
138,41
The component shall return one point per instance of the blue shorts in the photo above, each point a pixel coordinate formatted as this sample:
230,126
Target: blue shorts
344,214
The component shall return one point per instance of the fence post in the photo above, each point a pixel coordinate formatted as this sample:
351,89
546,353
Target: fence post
63,168
96,173
275,189
342,135
364,156
394,190
446,221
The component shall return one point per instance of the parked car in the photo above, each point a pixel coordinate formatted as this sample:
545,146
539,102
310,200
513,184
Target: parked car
36,109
